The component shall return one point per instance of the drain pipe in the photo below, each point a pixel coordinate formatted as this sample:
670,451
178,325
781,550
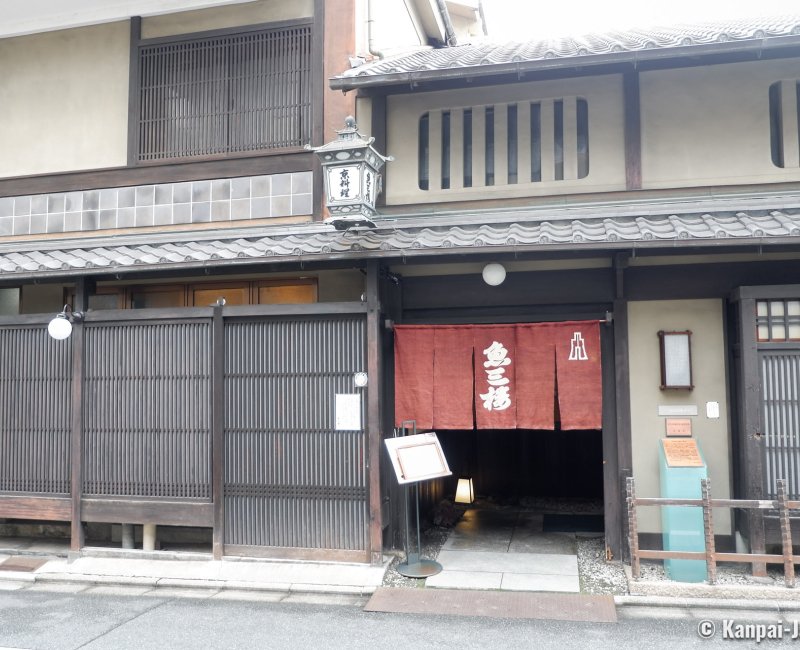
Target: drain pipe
449,32
482,14
371,32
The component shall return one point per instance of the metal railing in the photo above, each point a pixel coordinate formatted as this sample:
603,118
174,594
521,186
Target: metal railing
782,505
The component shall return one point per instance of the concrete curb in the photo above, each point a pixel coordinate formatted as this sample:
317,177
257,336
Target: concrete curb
187,583
17,576
706,603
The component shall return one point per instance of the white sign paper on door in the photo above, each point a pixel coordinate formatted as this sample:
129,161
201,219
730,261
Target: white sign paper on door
348,412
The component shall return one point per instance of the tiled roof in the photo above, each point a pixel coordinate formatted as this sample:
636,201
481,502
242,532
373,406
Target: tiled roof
485,57
394,240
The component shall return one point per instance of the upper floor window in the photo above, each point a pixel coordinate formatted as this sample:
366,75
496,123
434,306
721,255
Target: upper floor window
784,123
504,144
777,320
248,91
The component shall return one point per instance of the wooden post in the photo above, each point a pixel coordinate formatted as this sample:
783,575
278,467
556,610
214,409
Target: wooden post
134,90
786,534
633,130
750,434
613,491
633,529
373,424
708,529
217,430
81,303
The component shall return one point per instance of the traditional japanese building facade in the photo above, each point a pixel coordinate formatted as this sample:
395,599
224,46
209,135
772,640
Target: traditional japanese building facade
647,179
629,185
143,161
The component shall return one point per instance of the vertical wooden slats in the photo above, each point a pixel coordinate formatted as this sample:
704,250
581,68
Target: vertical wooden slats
147,403
570,138
35,411
435,162
290,480
456,149
780,385
507,144
501,144
222,94
791,123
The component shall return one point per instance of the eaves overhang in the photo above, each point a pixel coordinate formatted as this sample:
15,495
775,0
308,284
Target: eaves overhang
757,222
413,78
678,45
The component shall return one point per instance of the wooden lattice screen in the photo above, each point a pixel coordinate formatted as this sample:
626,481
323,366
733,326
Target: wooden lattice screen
214,95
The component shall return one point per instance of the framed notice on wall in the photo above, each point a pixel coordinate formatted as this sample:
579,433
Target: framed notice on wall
682,452
417,458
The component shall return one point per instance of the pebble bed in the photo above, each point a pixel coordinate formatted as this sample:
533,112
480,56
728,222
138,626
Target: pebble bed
595,574
727,574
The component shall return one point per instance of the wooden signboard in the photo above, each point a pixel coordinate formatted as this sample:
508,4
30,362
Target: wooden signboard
679,427
417,458
682,452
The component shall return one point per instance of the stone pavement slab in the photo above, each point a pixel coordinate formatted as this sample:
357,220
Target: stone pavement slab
548,543
509,562
465,580
209,575
539,582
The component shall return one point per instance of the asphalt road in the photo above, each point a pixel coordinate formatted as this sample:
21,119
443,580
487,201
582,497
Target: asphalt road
44,617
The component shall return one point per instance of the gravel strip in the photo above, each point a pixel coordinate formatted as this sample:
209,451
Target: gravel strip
432,538
596,575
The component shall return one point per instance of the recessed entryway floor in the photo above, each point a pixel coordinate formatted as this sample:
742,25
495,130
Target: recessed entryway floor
508,549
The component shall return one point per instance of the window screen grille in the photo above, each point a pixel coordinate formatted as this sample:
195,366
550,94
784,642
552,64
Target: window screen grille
553,143
234,93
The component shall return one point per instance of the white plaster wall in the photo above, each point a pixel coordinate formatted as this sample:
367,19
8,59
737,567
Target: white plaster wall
709,125
704,319
251,13
64,100
606,157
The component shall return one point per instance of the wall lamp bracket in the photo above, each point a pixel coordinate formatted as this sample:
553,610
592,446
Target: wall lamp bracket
60,327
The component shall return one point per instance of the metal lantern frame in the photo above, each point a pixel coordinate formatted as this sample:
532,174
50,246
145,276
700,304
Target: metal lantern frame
351,173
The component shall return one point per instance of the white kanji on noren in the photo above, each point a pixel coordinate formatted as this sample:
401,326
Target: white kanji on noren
498,397
577,350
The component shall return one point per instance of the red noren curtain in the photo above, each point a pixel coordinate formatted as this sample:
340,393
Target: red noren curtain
505,374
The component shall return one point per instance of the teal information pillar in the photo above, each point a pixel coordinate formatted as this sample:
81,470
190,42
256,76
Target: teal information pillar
682,526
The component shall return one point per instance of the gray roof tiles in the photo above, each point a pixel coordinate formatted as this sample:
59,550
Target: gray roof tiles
393,239
481,57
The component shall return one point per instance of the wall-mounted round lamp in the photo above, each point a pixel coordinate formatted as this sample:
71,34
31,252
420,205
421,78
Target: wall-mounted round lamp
494,274
61,326
360,379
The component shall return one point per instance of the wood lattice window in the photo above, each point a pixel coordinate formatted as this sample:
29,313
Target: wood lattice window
249,91
516,143
777,321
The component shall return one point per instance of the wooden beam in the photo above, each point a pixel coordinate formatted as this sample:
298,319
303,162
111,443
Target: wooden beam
218,431
287,553
633,130
163,513
373,424
37,508
169,172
